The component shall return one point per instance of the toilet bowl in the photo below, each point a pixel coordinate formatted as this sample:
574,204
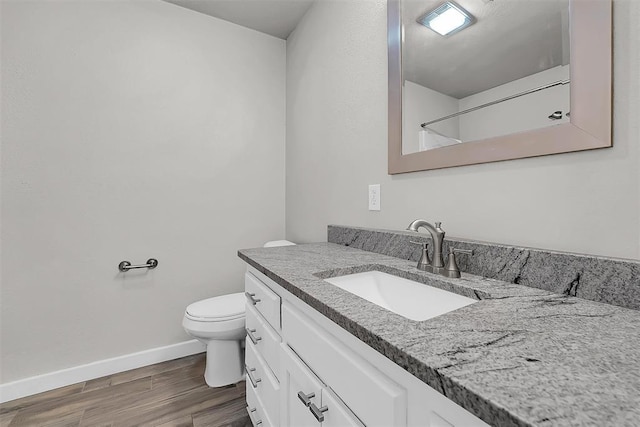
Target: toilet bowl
219,323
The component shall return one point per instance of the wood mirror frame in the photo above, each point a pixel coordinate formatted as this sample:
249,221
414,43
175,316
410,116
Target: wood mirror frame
590,120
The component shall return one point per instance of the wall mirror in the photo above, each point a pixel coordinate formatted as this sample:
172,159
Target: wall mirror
477,81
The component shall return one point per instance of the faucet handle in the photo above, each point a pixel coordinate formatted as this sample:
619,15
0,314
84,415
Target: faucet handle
424,263
461,251
452,269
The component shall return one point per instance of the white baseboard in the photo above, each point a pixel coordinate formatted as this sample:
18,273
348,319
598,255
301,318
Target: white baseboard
101,368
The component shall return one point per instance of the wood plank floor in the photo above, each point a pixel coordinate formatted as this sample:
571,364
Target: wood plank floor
169,394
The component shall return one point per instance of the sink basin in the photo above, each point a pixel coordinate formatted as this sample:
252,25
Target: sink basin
413,300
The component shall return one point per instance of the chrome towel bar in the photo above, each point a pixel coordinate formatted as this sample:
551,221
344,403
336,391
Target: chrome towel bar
126,265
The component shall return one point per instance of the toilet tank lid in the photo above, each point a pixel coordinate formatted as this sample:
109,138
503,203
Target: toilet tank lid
275,243
224,306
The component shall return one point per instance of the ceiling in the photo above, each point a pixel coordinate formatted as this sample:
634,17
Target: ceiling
510,40
275,17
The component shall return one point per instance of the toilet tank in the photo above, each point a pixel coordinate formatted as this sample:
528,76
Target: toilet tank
275,243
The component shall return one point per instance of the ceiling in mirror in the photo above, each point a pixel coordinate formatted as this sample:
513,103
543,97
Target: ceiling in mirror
532,35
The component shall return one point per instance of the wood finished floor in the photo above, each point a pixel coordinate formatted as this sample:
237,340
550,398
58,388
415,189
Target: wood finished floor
169,394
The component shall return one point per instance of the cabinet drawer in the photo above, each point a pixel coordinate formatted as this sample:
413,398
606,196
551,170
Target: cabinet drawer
256,409
265,339
263,383
263,299
372,396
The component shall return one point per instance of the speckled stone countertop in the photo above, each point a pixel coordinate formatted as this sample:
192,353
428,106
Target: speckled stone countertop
520,356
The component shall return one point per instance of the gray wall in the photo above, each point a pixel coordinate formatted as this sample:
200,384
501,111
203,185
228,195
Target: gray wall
129,130
337,144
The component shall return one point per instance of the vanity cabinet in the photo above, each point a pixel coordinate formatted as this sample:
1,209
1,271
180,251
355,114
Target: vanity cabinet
304,370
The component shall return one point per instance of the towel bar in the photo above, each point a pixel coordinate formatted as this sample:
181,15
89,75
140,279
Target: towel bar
126,265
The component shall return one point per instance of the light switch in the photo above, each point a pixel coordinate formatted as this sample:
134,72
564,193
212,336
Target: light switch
374,197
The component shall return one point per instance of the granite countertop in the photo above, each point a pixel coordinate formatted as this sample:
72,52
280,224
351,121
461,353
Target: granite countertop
520,356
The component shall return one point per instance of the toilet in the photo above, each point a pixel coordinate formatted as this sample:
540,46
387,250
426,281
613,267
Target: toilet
219,323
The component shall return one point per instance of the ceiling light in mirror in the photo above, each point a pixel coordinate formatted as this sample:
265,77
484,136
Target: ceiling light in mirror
446,19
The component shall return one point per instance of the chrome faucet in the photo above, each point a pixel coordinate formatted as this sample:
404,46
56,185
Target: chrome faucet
437,235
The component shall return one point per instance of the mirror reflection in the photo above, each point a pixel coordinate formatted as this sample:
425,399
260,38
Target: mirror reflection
477,69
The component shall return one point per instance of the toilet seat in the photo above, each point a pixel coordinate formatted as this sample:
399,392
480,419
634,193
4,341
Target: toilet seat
212,319
217,309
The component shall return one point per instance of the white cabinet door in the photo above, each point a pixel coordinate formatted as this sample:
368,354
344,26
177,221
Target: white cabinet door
434,410
298,383
375,398
304,394
337,414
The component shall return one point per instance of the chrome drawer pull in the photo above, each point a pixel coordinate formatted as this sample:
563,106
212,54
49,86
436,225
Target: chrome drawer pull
254,381
251,410
253,300
318,412
250,335
305,398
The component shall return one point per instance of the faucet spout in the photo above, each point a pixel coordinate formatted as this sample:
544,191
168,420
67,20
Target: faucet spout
437,235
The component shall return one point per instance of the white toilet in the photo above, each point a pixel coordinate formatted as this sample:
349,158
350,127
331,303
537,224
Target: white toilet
219,323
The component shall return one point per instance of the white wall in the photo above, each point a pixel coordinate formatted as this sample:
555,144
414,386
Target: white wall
337,144
130,130
421,104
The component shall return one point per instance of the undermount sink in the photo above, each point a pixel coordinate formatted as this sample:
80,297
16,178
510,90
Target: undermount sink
413,300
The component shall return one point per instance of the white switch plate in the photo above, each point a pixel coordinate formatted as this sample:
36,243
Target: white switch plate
374,197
